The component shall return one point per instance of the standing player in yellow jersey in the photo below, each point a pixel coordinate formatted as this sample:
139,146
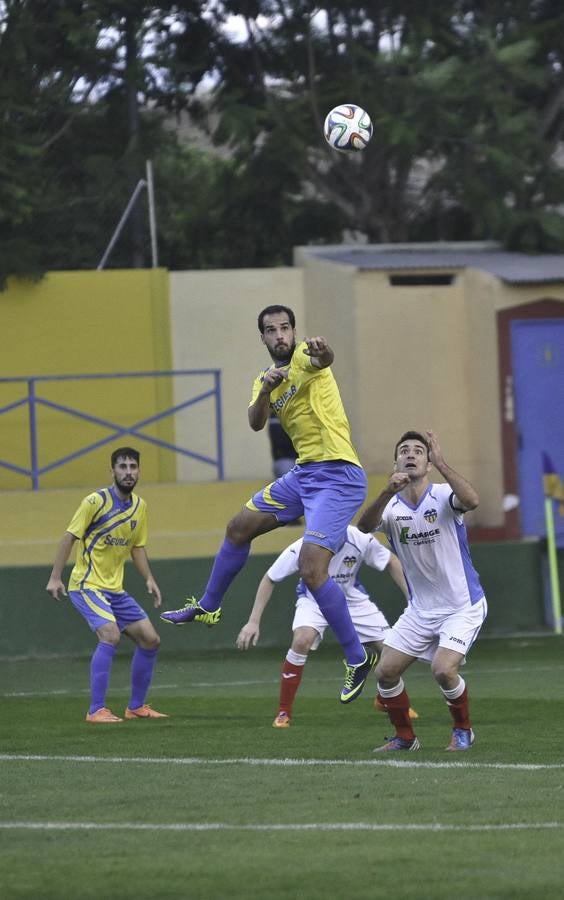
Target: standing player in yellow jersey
327,485
111,525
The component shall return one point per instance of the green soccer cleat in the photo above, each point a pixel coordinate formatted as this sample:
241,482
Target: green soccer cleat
355,677
192,612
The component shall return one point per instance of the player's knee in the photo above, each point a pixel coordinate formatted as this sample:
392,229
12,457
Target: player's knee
154,642
302,644
109,634
312,573
149,639
444,672
240,530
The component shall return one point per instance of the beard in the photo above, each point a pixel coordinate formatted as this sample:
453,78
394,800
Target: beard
281,353
126,488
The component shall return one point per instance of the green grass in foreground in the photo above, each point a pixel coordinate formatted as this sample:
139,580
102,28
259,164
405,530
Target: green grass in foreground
230,807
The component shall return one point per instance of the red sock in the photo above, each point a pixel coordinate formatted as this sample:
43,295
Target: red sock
459,711
398,714
289,684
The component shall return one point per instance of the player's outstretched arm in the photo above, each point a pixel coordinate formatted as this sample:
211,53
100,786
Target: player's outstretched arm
372,515
250,633
462,488
55,585
141,561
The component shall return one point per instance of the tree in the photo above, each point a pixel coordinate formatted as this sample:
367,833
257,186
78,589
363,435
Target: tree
466,99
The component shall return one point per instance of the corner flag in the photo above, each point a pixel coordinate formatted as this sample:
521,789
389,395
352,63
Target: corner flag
553,490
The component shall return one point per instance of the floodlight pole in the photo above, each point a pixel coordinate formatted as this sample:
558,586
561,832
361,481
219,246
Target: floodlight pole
142,183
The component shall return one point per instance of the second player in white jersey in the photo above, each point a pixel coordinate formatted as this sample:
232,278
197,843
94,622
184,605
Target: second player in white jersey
309,624
430,540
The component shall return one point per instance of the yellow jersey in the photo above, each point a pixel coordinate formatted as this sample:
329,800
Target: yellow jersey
311,412
107,529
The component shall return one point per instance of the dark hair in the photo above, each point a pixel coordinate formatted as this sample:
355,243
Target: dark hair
411,436
271,310
126,453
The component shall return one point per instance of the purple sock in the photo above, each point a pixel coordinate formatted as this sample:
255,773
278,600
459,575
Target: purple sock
142,666
100,667
332,603
229,561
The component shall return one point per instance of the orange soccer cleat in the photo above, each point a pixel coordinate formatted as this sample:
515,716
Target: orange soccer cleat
101,716
144,712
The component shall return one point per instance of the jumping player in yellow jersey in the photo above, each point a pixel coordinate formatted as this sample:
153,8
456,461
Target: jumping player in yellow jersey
111,525
327,485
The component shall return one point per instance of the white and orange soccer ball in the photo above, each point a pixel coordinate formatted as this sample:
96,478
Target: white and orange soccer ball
347,128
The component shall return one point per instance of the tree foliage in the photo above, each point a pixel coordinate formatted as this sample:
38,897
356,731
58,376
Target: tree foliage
466,99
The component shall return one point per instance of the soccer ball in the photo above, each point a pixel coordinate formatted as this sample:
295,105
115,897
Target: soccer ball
347,128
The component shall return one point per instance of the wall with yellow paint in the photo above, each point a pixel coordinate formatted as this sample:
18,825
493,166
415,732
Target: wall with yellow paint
76,323
186,521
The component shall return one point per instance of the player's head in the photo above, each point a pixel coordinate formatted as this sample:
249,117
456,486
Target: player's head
411,454
277,326
125,468
272,310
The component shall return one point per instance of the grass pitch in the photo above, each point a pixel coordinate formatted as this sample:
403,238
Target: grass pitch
215,803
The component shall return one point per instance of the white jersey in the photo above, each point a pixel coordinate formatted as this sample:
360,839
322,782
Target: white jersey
432,545
358,548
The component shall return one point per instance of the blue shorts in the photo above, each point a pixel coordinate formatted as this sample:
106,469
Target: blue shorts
102,607
327,494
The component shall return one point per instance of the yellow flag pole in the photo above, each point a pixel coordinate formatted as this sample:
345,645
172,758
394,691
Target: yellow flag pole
553,565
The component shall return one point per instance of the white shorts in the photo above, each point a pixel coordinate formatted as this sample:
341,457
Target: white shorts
369,623
421,637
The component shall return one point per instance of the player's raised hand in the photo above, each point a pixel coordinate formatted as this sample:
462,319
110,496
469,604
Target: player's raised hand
55,586
275,376
397,482
319,351
248,636
316,346
435,453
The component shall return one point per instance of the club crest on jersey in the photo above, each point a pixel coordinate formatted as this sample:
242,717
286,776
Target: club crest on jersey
430,516
349,561
133,523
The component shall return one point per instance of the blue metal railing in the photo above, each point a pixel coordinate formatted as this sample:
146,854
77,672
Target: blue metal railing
33,400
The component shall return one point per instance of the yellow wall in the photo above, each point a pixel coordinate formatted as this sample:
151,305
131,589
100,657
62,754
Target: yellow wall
85,322
185,521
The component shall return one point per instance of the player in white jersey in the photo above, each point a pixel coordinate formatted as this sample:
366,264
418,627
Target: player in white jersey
309,623
424,523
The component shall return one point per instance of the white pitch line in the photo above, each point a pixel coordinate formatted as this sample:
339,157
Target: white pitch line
289,762
310,826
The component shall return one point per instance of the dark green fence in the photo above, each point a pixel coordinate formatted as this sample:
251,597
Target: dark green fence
31,623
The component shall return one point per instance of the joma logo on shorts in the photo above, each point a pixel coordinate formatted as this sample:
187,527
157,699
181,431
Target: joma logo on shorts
316,533
115,542
456,640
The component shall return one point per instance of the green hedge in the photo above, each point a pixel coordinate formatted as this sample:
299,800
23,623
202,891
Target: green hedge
31,623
